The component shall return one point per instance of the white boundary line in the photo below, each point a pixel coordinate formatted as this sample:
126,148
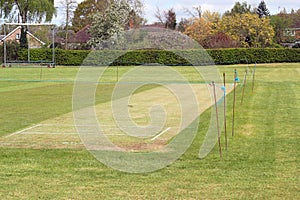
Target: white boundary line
73,125
115,134
66,125
47,133
161,133
52,133
23,130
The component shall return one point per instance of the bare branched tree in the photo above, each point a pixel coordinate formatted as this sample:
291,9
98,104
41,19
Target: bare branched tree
159,15
196,12
166,17
68,7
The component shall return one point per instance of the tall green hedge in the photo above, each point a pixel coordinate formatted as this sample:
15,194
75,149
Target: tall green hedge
261,55
219,56
62,57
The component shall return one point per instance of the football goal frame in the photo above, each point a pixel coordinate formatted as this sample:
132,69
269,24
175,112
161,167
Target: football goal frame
28,61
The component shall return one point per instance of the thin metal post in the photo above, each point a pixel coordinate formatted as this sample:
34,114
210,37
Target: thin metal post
117,73
234,97
225,126
4,47
217,118
244,85
28,45
253,77
53,46
41,73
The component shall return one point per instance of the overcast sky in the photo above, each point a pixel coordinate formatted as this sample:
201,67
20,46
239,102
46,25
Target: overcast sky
213,5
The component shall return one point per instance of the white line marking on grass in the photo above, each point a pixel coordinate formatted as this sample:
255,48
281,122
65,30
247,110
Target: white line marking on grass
115,134
167,129
48,133
68,125
58,125
53,133
23,130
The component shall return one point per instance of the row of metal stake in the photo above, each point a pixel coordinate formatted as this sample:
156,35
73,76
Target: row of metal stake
236,80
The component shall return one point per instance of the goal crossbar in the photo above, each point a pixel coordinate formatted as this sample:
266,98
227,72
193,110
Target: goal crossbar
29,24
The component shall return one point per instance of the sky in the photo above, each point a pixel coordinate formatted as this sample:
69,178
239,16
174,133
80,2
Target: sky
179,7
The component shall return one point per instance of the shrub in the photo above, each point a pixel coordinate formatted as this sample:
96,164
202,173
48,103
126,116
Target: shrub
12,49
259,55
221,40
62,57
138,57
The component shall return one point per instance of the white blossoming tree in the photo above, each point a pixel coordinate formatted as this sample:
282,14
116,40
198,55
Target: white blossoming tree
108,27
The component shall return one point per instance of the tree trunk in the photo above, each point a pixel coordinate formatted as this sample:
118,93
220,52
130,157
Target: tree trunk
67,27
23,37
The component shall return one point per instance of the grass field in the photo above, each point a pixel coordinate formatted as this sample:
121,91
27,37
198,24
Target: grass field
262,160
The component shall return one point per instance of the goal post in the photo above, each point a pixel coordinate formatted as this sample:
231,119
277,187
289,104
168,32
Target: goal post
12,34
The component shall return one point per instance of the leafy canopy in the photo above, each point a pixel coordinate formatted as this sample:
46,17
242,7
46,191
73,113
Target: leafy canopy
28,11
109,25
239,8
199,29
248,29
262,10
170,19
84,11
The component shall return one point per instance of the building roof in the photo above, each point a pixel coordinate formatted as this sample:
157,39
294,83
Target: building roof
60,36
4,37
40,41
83,35
9,34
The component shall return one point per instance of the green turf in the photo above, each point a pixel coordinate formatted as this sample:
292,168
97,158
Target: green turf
262,161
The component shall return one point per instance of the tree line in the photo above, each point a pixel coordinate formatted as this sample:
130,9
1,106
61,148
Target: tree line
242,26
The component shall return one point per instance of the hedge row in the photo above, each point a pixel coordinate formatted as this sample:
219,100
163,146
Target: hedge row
179,57
266,55
62,57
